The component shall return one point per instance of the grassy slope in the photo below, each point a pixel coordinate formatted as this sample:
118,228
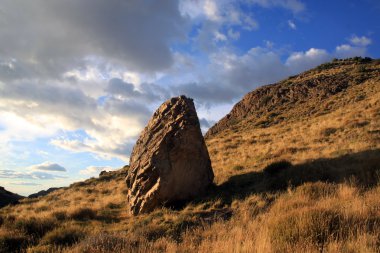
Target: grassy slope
325,197
344,123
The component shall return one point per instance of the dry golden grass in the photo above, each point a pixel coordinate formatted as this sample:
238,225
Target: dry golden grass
305,184
351,128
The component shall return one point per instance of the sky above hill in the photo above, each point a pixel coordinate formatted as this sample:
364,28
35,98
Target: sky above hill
79,79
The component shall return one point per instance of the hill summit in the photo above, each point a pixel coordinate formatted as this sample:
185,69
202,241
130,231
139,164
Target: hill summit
300,95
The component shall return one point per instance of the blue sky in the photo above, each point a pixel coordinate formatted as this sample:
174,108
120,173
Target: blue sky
79,79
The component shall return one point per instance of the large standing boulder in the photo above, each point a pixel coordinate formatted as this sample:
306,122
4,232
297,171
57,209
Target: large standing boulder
170,161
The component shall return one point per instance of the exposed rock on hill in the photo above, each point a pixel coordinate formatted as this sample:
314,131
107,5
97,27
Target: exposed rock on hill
280,101
170,161
7,197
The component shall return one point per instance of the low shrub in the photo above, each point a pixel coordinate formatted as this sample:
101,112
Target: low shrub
277,167
12,241
106,192
83,214
265,100
238,167
60,215
64,236
35,227
78,184
42,208
44,249
313,227
328,131
108,216
105,242
113,205
317,190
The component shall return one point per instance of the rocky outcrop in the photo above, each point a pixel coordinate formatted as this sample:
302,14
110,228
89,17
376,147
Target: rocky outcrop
103,173
170,161
7,197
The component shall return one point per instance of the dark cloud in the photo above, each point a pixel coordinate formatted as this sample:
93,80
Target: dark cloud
133,109
117,86
50,36
206,123
47,166
145,91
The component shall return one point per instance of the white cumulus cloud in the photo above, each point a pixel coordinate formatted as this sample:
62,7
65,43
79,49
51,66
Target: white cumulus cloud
345,51
95,170
300,61
360,41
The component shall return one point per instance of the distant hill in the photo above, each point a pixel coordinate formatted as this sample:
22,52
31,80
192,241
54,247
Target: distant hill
7,197
44,192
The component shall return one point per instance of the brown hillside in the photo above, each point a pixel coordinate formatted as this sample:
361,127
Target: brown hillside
300,95
325,112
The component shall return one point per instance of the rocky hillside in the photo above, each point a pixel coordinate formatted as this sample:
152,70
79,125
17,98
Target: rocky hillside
301,95
326,112
7,197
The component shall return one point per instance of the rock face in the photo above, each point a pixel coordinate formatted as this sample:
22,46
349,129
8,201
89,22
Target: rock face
170,161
